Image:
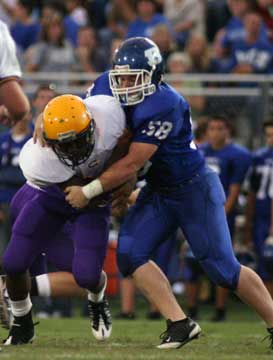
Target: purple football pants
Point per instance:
(73, 240)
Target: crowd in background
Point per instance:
(194, 36)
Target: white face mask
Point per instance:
(130, 86)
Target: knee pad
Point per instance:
(87, 273)
(86, 280)
(222, 273)
(13, 266)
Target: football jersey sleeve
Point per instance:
(100, 86)
(41, 166)
(9, 65)
(240, 167)
(159, 128)
(109, 119)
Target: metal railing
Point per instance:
(228, 90)
(67, 81)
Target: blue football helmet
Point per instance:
(137, 70)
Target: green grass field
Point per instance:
(239, 338)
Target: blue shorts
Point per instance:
(197, 207)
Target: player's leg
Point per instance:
(162, 258)
(222, 293)
(203, 222)
(260, 233)
(90, 237)
(191, 276)
(56, 284)
(30, 234)
(20, 199)
(145, 227)
(60, 253)
(127, 298)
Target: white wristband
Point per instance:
(92, 189)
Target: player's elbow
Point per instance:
(20, 112)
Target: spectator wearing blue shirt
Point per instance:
(252, 53)
(146, 20)
(259, 223)
(24, 31)
(11, 176)
(234, 29)
(231, 162)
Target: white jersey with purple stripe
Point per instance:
(41, 166)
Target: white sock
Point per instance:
(21, 307)
(97, 297)
(43, 285)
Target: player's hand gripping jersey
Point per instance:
(42, 167)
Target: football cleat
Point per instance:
(270, 337)
(101, 320)
(179, 333)
(21, 332)
(6, 316)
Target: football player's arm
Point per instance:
(14, 103)
(116, 175)
(124, 169)
(240, 166)
(233, 194)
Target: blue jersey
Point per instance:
(163, 119)
(25, 35)
(138, 27)
(261, 181)
(231, 163)
(259, 55)
(11, 176)
(235, 31)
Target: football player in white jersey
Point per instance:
(81, 136)
(14, 104)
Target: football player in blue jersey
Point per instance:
(259, 209)
(231, 162)
(180, 192)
